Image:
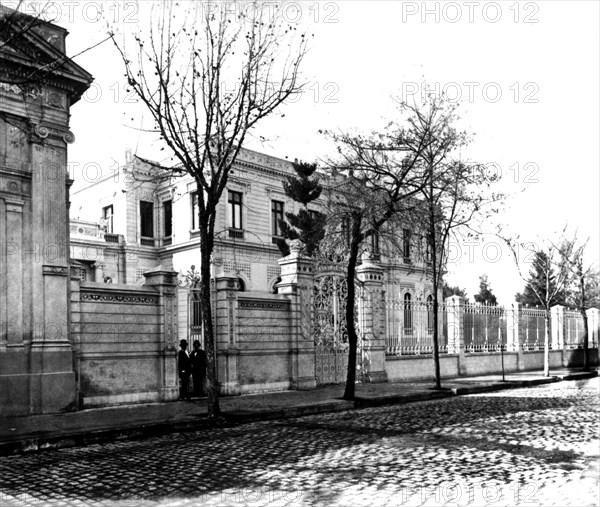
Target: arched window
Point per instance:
(408, 316)
(430, 314)
(241, 285)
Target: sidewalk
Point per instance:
(52, 431)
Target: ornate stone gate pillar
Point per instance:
(165, 281)
(225, 330)
(371, 319)
(297, 275)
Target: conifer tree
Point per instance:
(485, 295)
(307, 225)
(535, 287)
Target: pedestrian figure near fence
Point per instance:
(198, 360)
(185, 369)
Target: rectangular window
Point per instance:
(195, 209)
(428, 251)
(406, 244)
(107, 216)
(147, 219)
(375, 244)
(346, 230)
(234, 202)
(168, 218)
(276, 217)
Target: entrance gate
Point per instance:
(330, 333)
(195, 330)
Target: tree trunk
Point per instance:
(547, 343)
(436, 347)
(206, 244)
(586, 351)
(436, 303)
(352, 335)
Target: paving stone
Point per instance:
(528, 446)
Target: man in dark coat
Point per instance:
(198, 359)
(185, 369)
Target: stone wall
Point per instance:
(125, 341)
(253, 339)
(419, 367)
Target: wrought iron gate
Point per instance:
(330, 333)
(195, 329)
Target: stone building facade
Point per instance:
(37, 89)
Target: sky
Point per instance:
(526, 74)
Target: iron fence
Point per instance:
(410, 325)
(484, 328)
(574, 330)
(532, 328)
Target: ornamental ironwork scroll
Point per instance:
(329, 329)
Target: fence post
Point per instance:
(373, 340)
(165, 281)
(455, 306)
(297, 280)
(593, 315)
(513, 342)
(557, 328)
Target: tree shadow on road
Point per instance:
(316, 459)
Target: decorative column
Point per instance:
(456, 342)
(373, 340)
(165, 281)
(297, 279)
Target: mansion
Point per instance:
(128, 222)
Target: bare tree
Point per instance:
(376, 180)
(583, 292)
(553, 275)
(455, 197)
(208, 74)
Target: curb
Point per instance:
(230, 418)
(99, 437)
(242, 416)
(579, 375)
(398, 399)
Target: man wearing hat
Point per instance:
(185, 369)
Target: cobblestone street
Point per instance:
(534, 446)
